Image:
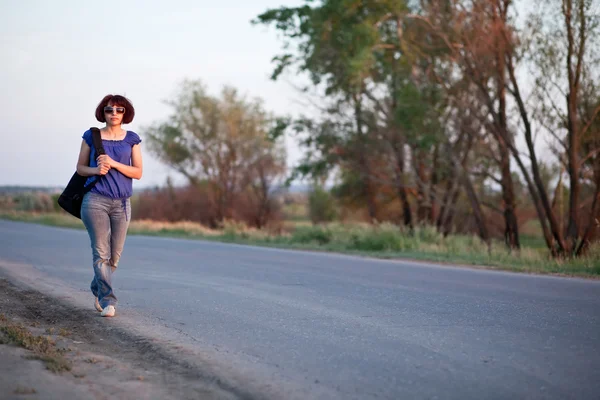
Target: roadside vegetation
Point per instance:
(380, 240)
(42, 347)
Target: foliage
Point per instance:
(422, 100)
(321, 205)
(29, 201)
(196, 203)
(228, 142)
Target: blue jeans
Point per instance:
(106, 221)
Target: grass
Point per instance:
(379, 240)
(24, 390)
(42, 347)
(52, 219)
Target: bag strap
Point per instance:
(97, 140)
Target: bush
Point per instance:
(321, 206)
(54, 198)
(6, 203)
(378, 237)
(35, 202)
(197, 204)
(380, 241)
(312, 234)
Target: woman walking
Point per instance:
(106, 208)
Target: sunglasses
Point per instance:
(110, 110)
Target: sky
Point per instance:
(59, 59)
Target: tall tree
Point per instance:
(332, 57)
(358, 52)
(473, 34)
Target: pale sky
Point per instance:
(60, 58)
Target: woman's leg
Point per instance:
(95, 216)
(119, 223)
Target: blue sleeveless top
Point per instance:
(114, 184)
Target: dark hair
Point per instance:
(115, 100)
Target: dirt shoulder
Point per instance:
(53, 350)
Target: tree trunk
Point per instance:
(444, 207)
(401, 185)
(423, 206)
(476, 207)
(594, 219)
(433, 186)
(406, 211)
(557, 246)
(446, 218)
(574, 74)
(574, 167)
(397, 141)
(450, 215)
(368, 191)
(511, 227)
(472, 195)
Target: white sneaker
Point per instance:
(97, 305)
(109, 311)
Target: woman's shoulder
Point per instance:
(132, 138)
(87, 136)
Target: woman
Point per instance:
(106, 208)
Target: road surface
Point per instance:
(345, 327)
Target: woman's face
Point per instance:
(114, 114)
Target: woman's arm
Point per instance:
(134, 170)
(83, 168)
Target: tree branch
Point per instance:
(556, 109)
(485, 174)
(492, 207)
(377, 102)
(582, 38)
(590, 155)
(589, 123)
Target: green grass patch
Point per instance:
(378, 240)
(530, 241)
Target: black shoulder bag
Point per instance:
(72, 197)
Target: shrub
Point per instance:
(35, 202)
(312, 234)
(197, 204)
(321, 206)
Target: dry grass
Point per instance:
(42, 347)
(186, 227)
(24, 390)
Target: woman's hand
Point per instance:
(105, 159)
(102, 169)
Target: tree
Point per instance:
(471, 32)
(357, 52)
(492, 50)
(561, 49)
(335, 43)
(226, 141)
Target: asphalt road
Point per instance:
(348, 327)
